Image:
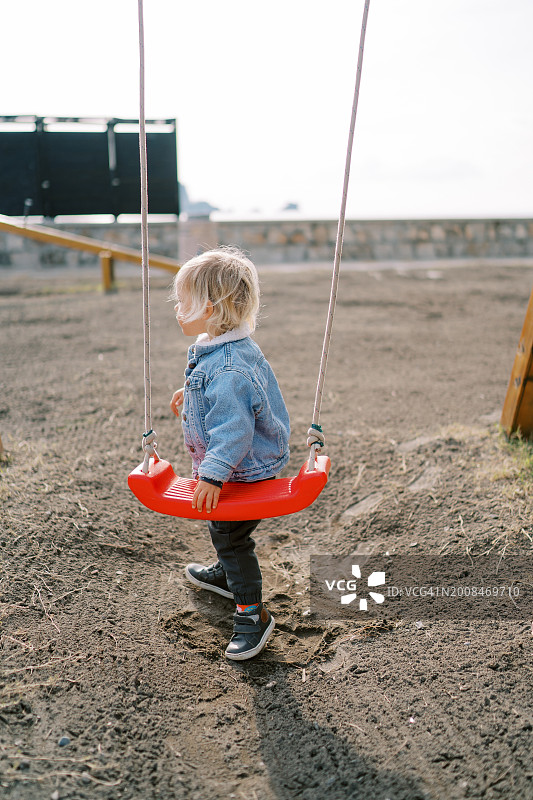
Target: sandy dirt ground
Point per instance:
(113, 680)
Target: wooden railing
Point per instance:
(108, 252)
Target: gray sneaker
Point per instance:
(251, 631)
(212, 578)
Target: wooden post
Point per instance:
(1, 446)
(518, 406)
(108, 270)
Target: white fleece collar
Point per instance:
(230, 336)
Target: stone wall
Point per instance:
(381, 240)
(291, 241)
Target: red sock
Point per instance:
(247, 607)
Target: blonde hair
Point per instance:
(227, 278)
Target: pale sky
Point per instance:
(262, 93)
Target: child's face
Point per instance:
(196, 326)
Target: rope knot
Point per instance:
(315, 436)
(149, 446)
(148, 438)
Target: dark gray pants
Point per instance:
(236, 553)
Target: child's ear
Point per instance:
(208, 310)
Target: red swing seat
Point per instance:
(163, 491)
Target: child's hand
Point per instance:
(177, 401)
(209, 493)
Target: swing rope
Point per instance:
(149, 436)
(315, 436)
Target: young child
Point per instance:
(235, 425)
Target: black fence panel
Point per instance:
(162, 173)
(51, 173)
(19, 173)
(75, 173)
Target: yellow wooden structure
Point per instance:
(108, 252)
(517, 413)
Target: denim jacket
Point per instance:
(235, 423)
